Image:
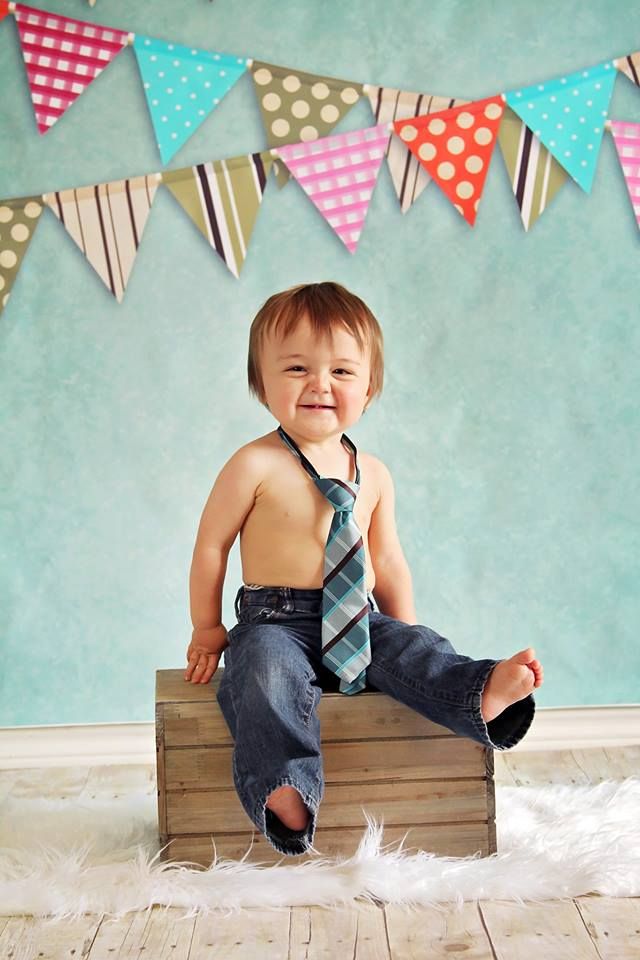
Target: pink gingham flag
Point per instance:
(339, 174)
(627, 140)
(62, 56)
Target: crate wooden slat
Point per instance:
(378, 755)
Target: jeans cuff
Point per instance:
(509, 727)
(281, 837)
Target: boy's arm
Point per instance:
(229, 503)
(393, 591)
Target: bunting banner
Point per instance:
(62, 57)
(223, 198)
(626, 137)
(388, 104)
(455, 147)
(630, 66)
(4, 9)
(535, 175)
(18, 221)
(339, 175)
(568, 115)
(107, 221)
(297, 106)
(182, 86)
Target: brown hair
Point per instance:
(327, 305)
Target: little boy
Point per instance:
(327, 596)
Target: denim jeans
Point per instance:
(274, 678)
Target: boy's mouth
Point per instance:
(317, 406)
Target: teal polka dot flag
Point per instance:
(568, 115)
(182, 86)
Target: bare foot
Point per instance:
(288, 807)
(509, 681)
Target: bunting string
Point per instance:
(549, 133)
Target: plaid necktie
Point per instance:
(345, 608)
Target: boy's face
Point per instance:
(315, 387)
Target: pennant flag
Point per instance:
(339, 174)
(535, 176)
(630, 66)
(626, 137)
(18, 221)
(388, 104)
(223, 198)
(455, 146)
(568, 115)
(182, 86)
(107, 222)
(4, 9)
(298, 106)
(62, 56)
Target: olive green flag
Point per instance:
(222, 198)
(18, 221)
(535, 175)
(297, 107)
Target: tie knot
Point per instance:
(340, 494)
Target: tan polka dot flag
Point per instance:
(107, 221)
(339, 175)
(223, 198)
(630, 66)
(297, 106)
(408, 175)
(455, 147)
(535, 175)
(62, 57)
(18, 221)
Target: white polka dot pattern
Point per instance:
(568, 115)
(182, 85)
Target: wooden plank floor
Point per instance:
(587, 928)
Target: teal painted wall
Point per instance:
(509, 417)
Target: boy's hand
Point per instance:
(204, 652)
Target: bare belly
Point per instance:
(289, 562)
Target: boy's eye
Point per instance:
(342, 371)
(294, 369)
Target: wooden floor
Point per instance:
(587, 928)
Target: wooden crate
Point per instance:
(418, 777)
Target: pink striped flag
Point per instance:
(627, 140)
(339, 174)
(62, 56)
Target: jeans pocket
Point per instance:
(255, 613)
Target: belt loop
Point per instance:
(287, 605)
(236, 605)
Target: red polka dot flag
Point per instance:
(455, 146)
(4, 9)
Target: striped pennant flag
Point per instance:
(535, 175)
(455, 146)
(62, 57)
(18, 221)
(626, 137)
(223, 198)
(630, 66)
(339, 175)
(299, 106)
(107, 222)
(4, 9)
(409, 177)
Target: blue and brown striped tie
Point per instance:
(345, 608)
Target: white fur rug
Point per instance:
(64, 858)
